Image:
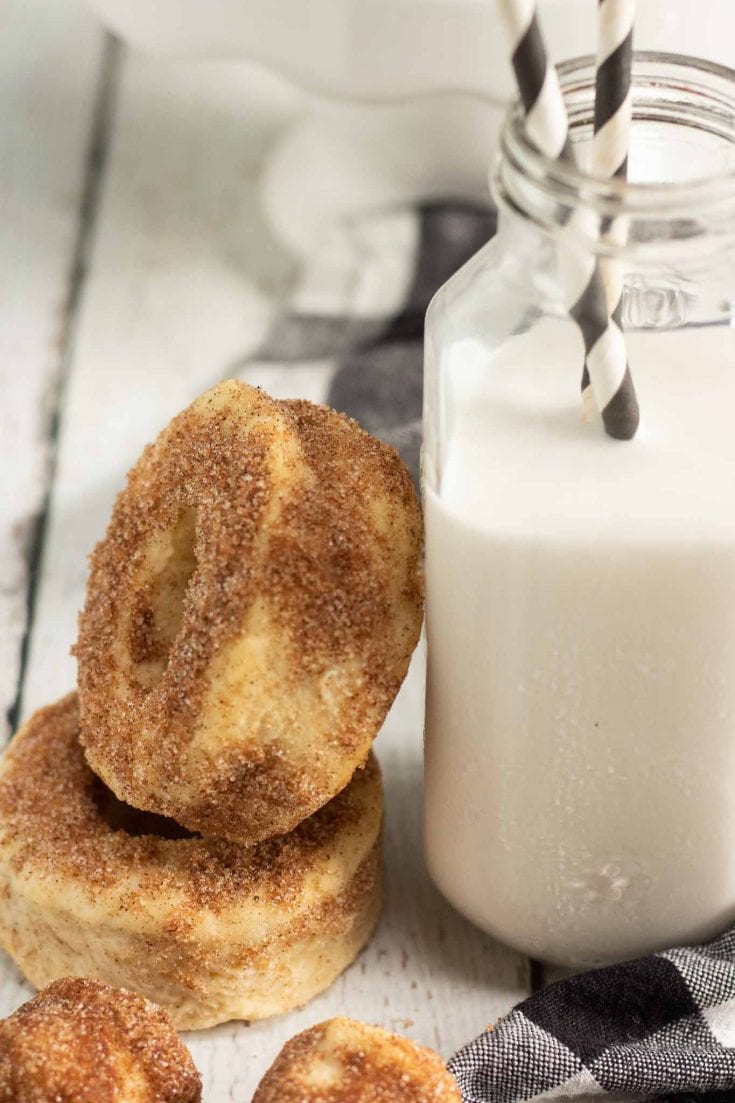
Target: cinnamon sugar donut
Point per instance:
(343, 1061)
(209, 929)
(250, 614)
(79, 1041)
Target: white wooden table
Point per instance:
(135, 269)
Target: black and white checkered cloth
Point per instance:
(352, 333)
(661, 1027)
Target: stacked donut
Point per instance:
(202, 822)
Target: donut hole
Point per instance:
(171, 563)
(120, 816)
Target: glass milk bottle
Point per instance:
(580, 731)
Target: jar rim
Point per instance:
(706, 87)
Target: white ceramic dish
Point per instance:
(395, 128)
(370, 49)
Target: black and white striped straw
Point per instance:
(613, 109)
(613, 97)
(606, 361)
(537, 79)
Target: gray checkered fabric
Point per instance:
(356, 317)
(660, 1027)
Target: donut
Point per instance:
(79, 1041)
(209, 929)
(343, 1061)
(250, 614)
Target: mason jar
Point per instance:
(580, 725)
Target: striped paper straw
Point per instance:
(537, 79)
(613, 110)
(547, 126)
(613, 97)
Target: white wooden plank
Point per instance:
(183, 280)
(181, 284)
(50, 58)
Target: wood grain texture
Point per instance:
(51, 64)
(181, 282)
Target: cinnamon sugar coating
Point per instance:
(344, 1061)
(210, 929)
(250, 614)
(79, 1041)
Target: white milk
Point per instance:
(580, 741)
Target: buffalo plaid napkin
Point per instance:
(352, 332)
(662, 1026)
